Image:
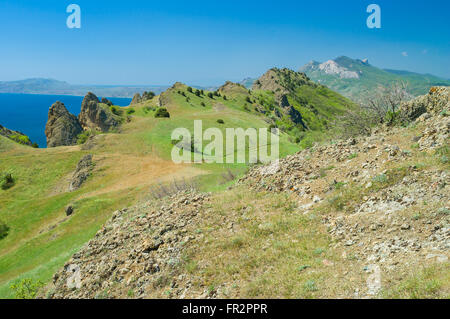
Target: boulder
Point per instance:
(62, 128)
(95, 116)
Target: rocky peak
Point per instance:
(94, 116)
(230, 88)
(62, 128)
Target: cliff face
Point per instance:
(62, 127)
(96, 116)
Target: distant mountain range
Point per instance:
(55, 87)
(353, 77)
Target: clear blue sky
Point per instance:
(207, 42)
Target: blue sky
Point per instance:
(208, 42)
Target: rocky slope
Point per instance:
(62, 127)
(383, 199)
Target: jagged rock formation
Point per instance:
(62, 127)
(146, 96)
(106, 101)
(96, 116)
(82, 172)
(16, 136)
(137, 98)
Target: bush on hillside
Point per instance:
(130, 111)
(83, 137)
(189, 89)
(148, 95)
(381, 108)
(116, 110)
(162, 112)
(21, 139)
(203, 104)
(210, 95)
(4, 229)
(220, 121)
(7, 181)
(26, 288)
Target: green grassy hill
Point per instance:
(130, 163)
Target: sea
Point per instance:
(28, 113)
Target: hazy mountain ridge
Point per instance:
(55, 87)
(354, 77)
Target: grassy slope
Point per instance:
(42, 239)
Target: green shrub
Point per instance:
(220, 121)
(380, 178)
(4, 229)
(210, 95)
(148, 109)
(35, 145)
(7, 181)
(148, 95)
(189, 89)
(203, 104)
(83, 137)
(21, 139)
(162, 112)
(26, 288)
(130, 111)
(116, 110)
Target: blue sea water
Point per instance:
(28, 113)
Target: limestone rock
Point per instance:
(62, 127)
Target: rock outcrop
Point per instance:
(433, 103)
(15, 136)
(82, 172)
(62, 127)
(95, 116)
(136, 247)
(231, 88)
(146, 96)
